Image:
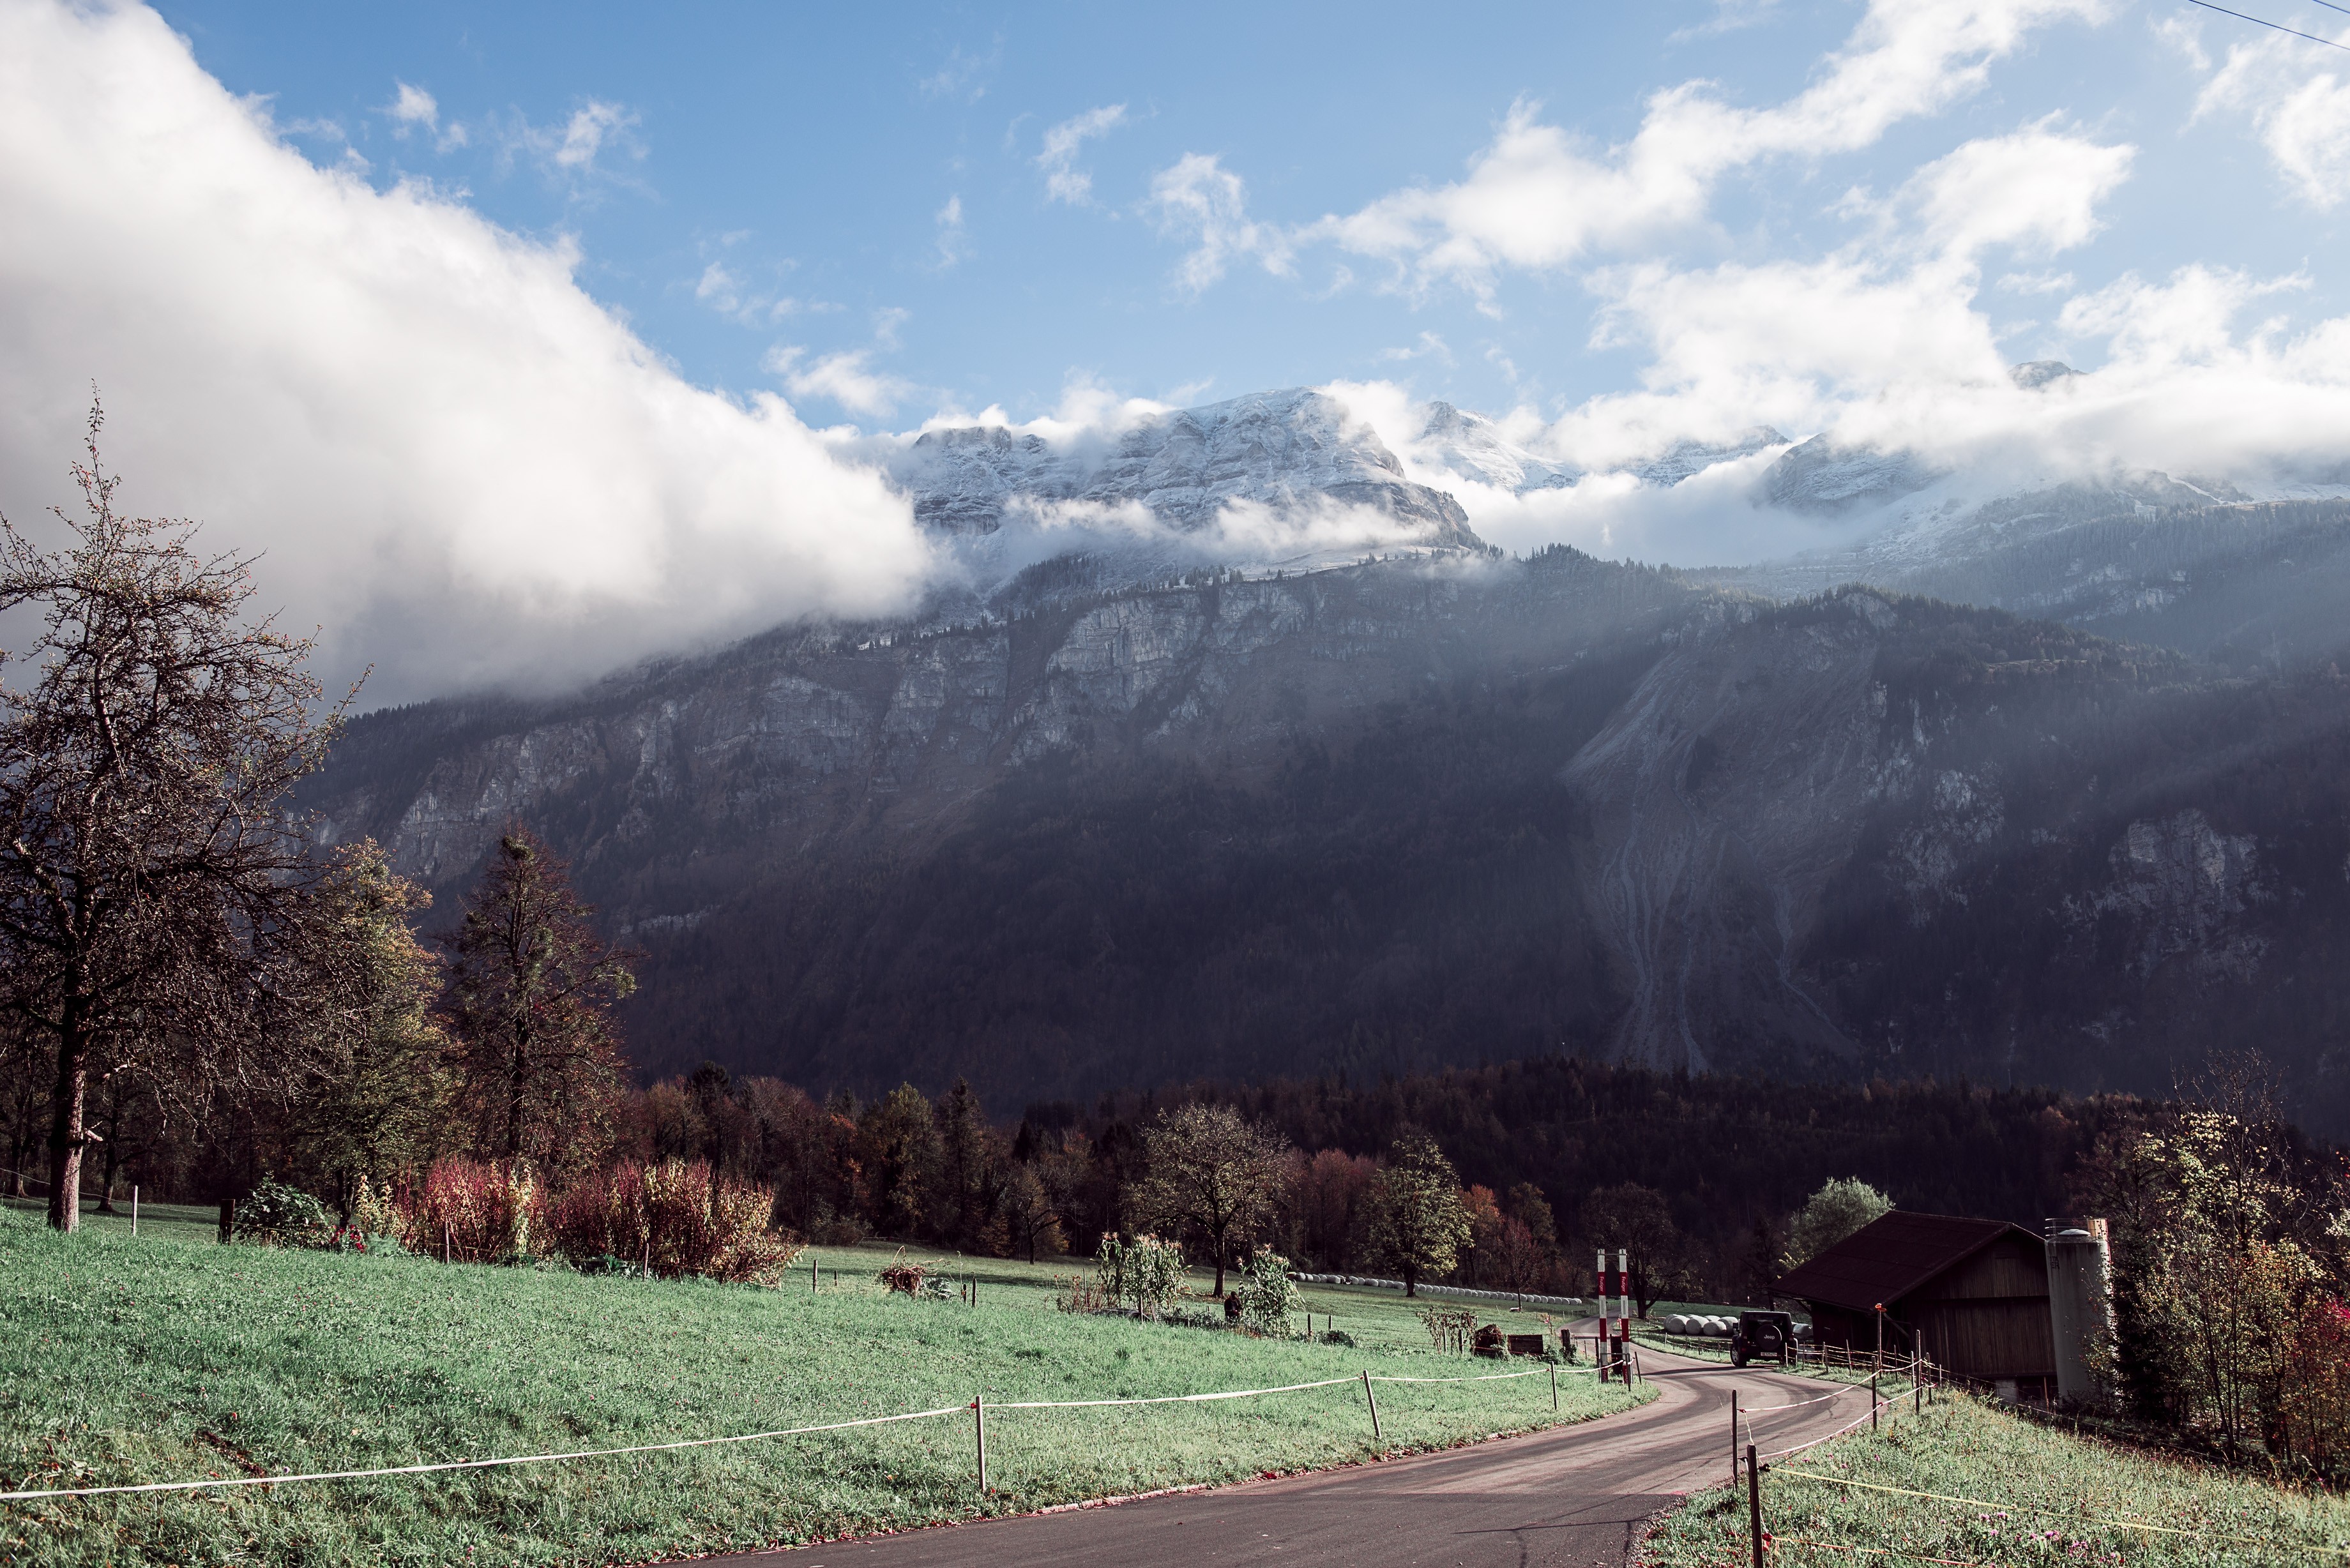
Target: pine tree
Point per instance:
(383, 1080)
(532, 990)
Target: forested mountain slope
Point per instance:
(1417, 812)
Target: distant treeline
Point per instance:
(1729, 1158)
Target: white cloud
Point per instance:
(1199, 199)
(455, 460)
(412, 108)
(1539, 199)
(1064, 181)
(962, 77)
(2299, 105)
(1729, 16)
(1429, 346)
(847, 376)
(2036, 190)
(953, 242)
(574, 153)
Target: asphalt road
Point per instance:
(1579, 1495)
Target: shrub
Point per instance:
(1266, 1293)
(276, 1215)
(1075, 1292)
(1146, 1272)
(676, 1218)
(485, 1212)
(372, 1213)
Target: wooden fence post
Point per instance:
(1754, 1503)
(1372, 1401)
(444, 1242)
(1553, 1388)
(134, 1208)
(978, 1427)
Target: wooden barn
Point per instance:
(1972, 1294)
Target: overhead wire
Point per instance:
(2258, 22)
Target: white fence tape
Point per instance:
(481, 1464)
(745, 1438)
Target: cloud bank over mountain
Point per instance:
(474, 474)
(455, 460)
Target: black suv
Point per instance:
(1763, 1335)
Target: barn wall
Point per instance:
(2008, 1268)
(1989, 1338)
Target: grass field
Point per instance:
(169, 1357)
(2039, 1496)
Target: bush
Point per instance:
(1266, 1293)
(677, 1217)
(486, 1213)
(276, 1215)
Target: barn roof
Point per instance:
(1891, 1256)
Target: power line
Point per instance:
(2280, 26)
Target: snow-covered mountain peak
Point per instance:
(1291, 449)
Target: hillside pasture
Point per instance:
(166, 1359)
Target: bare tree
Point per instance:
(150, 884)
(533, 986)
(1213, 1173)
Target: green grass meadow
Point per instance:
(2052, 1498)
(169, 1357)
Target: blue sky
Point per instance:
(808, 153)
(525, 341)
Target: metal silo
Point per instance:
(2080, 1306)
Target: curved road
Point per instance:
(1580, 1495)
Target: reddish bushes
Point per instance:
(677, 1216)
(481, 1211)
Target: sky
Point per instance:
(525, 339)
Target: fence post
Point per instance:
(134, 1208)
(813, 1285)
(444, 1241)
(1372, 1400)
(978, 1427)
(1733, 1436)
(1876, 1367)
(1553, 1388)
(1754, 1503)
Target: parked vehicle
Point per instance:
(1763, 1336)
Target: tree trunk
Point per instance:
(517, 1080)
(64, 1128)
(1220, 1266)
